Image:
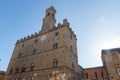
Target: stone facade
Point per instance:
(110, 69)
(2, 74)
(50, 54)
(111, 61)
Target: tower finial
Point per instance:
(50, 11)
(49, 20)
(51, 8)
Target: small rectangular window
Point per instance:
(56, 33)
(55, 46)
(55, 64)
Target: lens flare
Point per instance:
(111, 43)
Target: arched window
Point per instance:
(48, 14)
(55, 64)
(20, 55)
(96, 75)
(102, 74)
(86, 75)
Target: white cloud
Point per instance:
(101, 19)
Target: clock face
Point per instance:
(43, 38)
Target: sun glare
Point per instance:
(111, 43)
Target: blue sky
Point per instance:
(95, 22)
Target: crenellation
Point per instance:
(24, 38)
(28, 36)
(59, 25)
(17, 41)
(21, 39)
(36, 33)
(40, 32)
(65, 23)
(31, 35)
(72, 32)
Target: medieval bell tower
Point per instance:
(49, 19)
(50, 54)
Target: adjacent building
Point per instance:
(111, 62)
(110, 69)
(95, 73)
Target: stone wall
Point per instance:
(111, 59)
(95, 73)
(2, 74)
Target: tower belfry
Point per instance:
(49, 19)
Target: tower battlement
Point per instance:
(59, 25)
